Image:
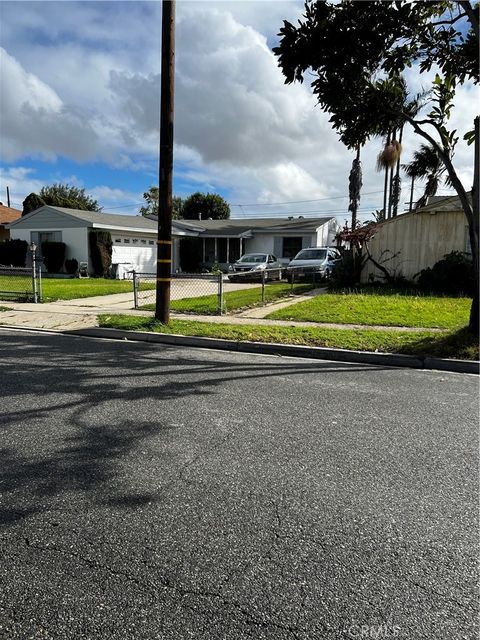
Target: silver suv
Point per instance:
(315, 262)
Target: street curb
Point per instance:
(297, 351)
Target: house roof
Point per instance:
(245, 227)
(8, 214)
(236, 227)
(443, 203)
(98, 219)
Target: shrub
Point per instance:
(453, 274)
(71, 266)
(53, 255)
(346, 273)
(100, 251)
(13, 253)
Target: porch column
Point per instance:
(228, 250)
(241, 247)
(216, 254)
(203, 249)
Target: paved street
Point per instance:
(153, 492)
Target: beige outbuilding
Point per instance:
(414, 241)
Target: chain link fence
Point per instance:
(216, 294)
(21, 284)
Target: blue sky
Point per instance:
(79, 104)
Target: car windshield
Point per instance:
(253, 257)
(312, 254)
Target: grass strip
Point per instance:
(380, 309)
(453, 344)
(70, 289)
(233, 300)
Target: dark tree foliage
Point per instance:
(204, 206)
(68, 196)
(13, 253)
(357, 52)
(100, 251)
(54, 256)
(32, 202)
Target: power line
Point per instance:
(268, 204)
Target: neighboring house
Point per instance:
(134, 237)
(224, 241)
(7, 215)
(414, 241)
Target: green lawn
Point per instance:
(70, 288)
(384, 309)
(234, 300)
(453, 344)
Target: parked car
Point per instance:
(315, 262)
(253, 265)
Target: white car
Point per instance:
(253, 265)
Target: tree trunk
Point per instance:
(385, 185)
(397, 178)
(473, 230)
(471, 211)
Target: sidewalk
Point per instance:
(65, 315)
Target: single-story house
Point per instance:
(7, 215)
(205, 241)
(134, 237)
(224, 241)
(416, 240)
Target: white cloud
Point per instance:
(87, 87)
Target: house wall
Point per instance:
(420, 239)
(74, 238)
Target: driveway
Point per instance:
(153, 492)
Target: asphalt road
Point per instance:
(153, 492)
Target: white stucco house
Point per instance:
(134, 237)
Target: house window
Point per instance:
(126, 240)
(143, 241)
(291, 246)
(118, 239)
(39, 237)
(135, 240)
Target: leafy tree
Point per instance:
(150, 208)
(206, 205)
(68, 196)
(31, 203)
(358, 50)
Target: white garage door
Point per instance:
(142, 258)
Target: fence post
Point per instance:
(292, 281)
(39, 278)
(33, 249)
(220, 294)
(135, 290)
(263, 287)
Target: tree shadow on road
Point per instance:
(67, 425)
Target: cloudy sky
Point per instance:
(79, 99)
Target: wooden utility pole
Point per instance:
(8, 197)
(164, 242)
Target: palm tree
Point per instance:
(426, 165)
